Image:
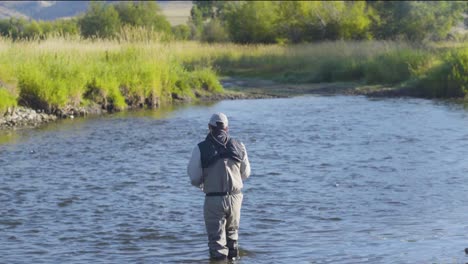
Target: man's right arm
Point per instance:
(194, 168)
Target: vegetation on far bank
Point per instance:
(126, 54)
(422, 70)
(313, 21)
(269, 22)
(55, 73)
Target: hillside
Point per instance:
(177, 12)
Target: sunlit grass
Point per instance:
(115, 74)
(6, 99)
(138, 69)
(431, 70)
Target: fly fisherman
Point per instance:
(218, 166)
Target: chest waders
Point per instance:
(222, 184)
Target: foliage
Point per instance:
(210, 9)
(449, 78)
(116, 74)
(206, 80)
(260, 21)
(22, 29)
(143, 14)
(50, 81)
(56, 73)
(397, 66)
(214, 31)
(416, 20)
(425, 69)
(100, 21)
(181, 32)
(246, 25)
(307, 21)
(6, 100)
(195, 23)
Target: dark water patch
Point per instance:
(67, 201)
(10, 223)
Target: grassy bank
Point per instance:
(421, 70)
(56, 73)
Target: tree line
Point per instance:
(309, 21)
(260, 21)
(99, 21)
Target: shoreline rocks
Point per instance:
(24, 117)
(71, 111)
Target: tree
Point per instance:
(16, 28)
(355, 21)
(416, 20)
(294, 20)
(100, 21)
(247, 25)
(214, 31)
(181, 32)
(143, 14)
(210, 9)
(4, 27)
(32, 30)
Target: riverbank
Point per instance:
(235, 88)
(278, 89)
(20, 117)
(416, 69)
(77, 77)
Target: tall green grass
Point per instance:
(449, 78)
(428, 70)
(117, 74)
(6, 100)
(57, 73)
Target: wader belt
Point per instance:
(222, 193)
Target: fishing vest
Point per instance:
(211, 151)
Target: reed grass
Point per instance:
(136, 70)
(427, 70)
(60, 72)
(449, 78)
(6, 99)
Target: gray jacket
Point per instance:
(225, 175)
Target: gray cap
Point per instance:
(218, 117)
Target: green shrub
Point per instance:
(338, 69)
(206, 80)
(6, 100)
(397, 66)
(449, 78)
(51, 81)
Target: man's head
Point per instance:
(218, 121)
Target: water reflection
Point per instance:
(8, 137)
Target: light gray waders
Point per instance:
(222, 216)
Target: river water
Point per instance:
(336, 179)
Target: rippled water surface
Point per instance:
(334, 180)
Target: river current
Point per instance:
(335, 179)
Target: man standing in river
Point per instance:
(218, 166)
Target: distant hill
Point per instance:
(42, 10)
(177, 12)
